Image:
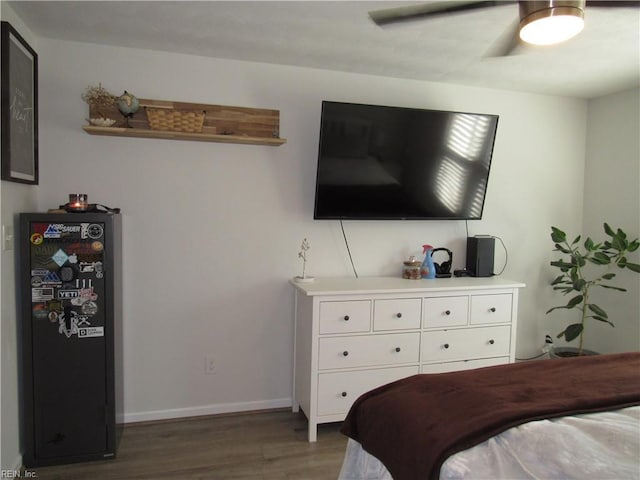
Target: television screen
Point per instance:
(379, 162)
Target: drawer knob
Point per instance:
(398, 315)
(492, 309)
(344, 394)
(346, 318)
(492, 341)
(446, 345)
(447, 312)
(397, 349)
(345, 354)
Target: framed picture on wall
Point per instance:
(19, 108)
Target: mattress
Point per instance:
(596, 446)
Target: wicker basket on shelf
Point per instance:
(169, 119)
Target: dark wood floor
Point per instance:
(264, 445)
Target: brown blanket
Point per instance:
(414, 424)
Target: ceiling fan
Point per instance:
(541, 22)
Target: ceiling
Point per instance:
(338, 35)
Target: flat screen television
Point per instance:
(380, 162)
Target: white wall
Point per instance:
(212, 231)
(14, 198)
(222, 288)
(612, 195)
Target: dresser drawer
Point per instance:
(338, 390)
(345, 317)
(491, 309)
(396, 314)
(370, 350)
(445, 312)
(463, 365)
(466, 343)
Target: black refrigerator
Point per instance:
(70, 285)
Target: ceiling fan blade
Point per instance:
(415, 12)
(506, 43)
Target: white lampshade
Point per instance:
(546, 23)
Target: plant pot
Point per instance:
(566, 352)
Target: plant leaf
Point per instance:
(608, 276)
(573, 331)
(579, 284)
(581, 260)
(618, 243)
(562, 249)
(557, 235)
(573, 275)
(600, 319)
(577, 300)
(597, 310)
(588, 244)
(608, 230)
(600, 258)
(611, 287)
(556, 308)
(634, 267)
(561, 264)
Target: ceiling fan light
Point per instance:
(551, 25)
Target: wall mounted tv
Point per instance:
(380, 162)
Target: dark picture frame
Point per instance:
(18, 108)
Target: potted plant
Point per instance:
(583, 267)
(304, 248)
(100, 102)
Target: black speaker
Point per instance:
(480, 254)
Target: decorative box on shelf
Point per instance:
(219, 123)
(170, 119)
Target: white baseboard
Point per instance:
(206, 410)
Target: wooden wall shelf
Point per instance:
(223, 124)
(202, 137)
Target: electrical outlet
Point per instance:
(209, 365)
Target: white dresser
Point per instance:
(352, 335)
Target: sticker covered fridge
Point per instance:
(70, 287)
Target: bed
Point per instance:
(569, 418)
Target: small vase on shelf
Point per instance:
(304, 248)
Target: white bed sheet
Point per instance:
(596, 446)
